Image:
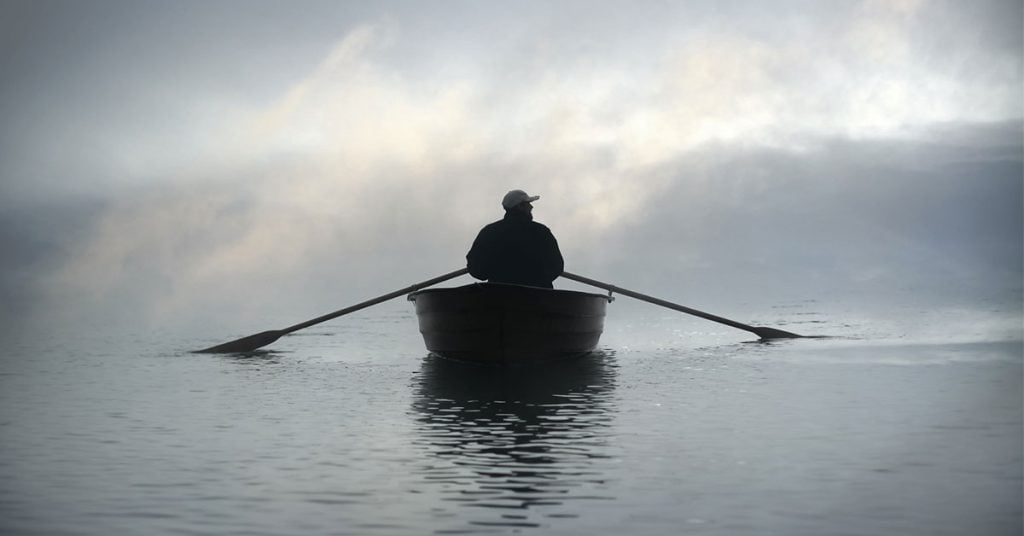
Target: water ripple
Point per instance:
(514, 439)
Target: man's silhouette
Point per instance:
(516, 249)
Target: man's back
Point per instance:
(516, 250)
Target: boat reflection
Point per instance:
(518, 443)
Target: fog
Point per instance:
(232, 164)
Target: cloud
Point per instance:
(934, 214)
(720, 156)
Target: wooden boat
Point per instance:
(499, 324)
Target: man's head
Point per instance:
(518, 200)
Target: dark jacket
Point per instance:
(515, 250)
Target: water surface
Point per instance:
(901, 426)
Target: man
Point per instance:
(516, 249)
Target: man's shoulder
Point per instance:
(512, 225)
(540, 226)
(493, 225)
(532, 225)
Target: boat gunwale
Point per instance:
(555, 292)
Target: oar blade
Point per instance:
(245, 344)
(772, 333)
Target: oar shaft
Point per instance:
(657, 301)
(375, 301)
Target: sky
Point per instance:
(223, 163)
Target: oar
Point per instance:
(764, 333)
(252, 342)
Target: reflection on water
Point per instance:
(520, 443)
(254, 357)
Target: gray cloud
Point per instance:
(935, 214)
(179, 163)
(932, 215)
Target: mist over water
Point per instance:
(721, 156)
(715, 239)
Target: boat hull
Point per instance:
(508, 324)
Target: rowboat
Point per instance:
(499, 324)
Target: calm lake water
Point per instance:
(905, 424)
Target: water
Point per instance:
(911, 424)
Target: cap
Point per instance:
(516, 197)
